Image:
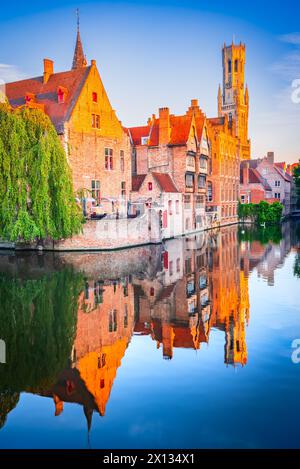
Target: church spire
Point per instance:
(79, 59)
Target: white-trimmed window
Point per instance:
(109, 164)
(144, 140)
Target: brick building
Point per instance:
(178, 146)
(157, 191)
(223, 182)
(253, 187)
(275, 183)
(97, 146)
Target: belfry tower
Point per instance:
(233, 99)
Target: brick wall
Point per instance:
(85, 145)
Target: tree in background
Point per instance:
(296, 175)
(262, 213)
(36, 191)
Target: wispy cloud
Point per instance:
(10, 73)
(291, 38)
(288, 66)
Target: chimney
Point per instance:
(48, 69)
(194, 103)
(164, 126)
(246, 173)
(270, 157)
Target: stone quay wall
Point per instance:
(114, 233)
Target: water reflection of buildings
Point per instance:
(266, 257)
(176, 293)
(104, 328)
(200, 287)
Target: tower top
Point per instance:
(233, 45)
(79, 59)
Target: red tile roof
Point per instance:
(287, 177)
(165, 182)
(200, 120)
(138, 132)
(180, 127)
(183, 337)
(281, 165)
(137, 181)
(154, 135)
(46, 93)
(254, 177)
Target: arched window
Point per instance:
(229, 66)
(236, 65)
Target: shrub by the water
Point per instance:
(261, 213)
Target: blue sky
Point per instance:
(152, 54)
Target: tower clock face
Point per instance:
(228, 84)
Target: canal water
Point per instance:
(189, 344)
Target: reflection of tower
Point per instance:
(235, 345)
(230, 308)
(234, 100)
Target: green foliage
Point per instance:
(262, 213)
(36, 191)
(296, 175)
(38, 323)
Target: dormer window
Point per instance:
(61, 94)
(29, 98)
(144, 140)
(94, 97)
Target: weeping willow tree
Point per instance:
(36, 192)
(38, 320)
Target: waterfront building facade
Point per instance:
(177, 146)
(97, 146)
(179, 173)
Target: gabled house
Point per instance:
(275, 183)
(97, 146)
(253, 187)
(157, 191)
